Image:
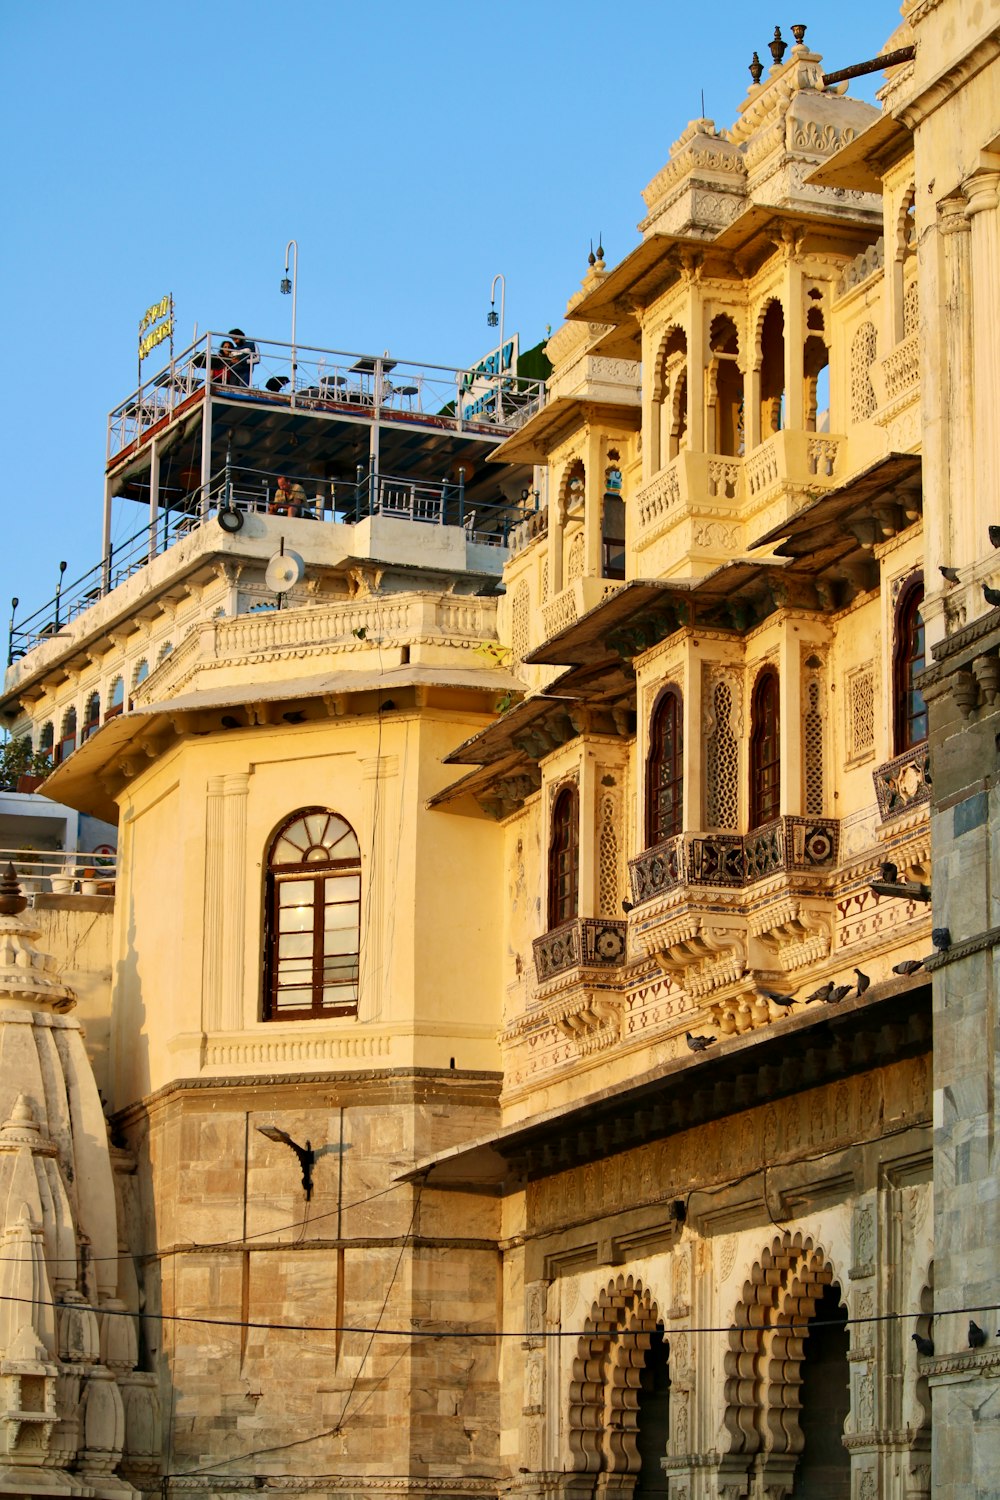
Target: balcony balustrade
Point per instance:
(903, 783)
(788, 844)
(900, 372)
(582, 943)
(576, 599)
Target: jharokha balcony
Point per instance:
(733, 859)
(577, 966)
(711, 907)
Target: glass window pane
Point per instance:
(293, 999)
(342, 888)
(316, 826)
(296, 919)
(295, 945)
(295, 893)
(343, 941)
(286, 852)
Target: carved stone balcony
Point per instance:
(897, 378)
(583, 943)
(576, 599)
(577, 966)
(903, 783)
(714, 494)
(529, 530)
(735, 860)
(710, 907)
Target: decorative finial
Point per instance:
(756, 69)
(11, 899)
(591, 258)
(777, 46)
(600, 250)
(798, 32)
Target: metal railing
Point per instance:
(246, 491)
(62, 871)
(326, 380)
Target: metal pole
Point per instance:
(10, 633)
(292, 249)
(154, 494)
(62, 574)
(503, 295)
(106, 538)
(206, 433)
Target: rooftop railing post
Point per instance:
(359, 481)
(10, 633)
(62, 574)
(458, 399)
(154, 494)
(206, 433)
(461, 494)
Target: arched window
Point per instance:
(909, 712)
(772, 370)
(726, 385)
(564, 857)
(91, 717)
(765, 750)
(46, 739)
(67, 740)
(117, 700)
(312, 921)
(165, 651)
(613, 536)
(141, 673)
(665, 770)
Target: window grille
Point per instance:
(519, 622)
(574, 566)
(722, 763)
(864, 349)
(607, 849)
(861, 713)
(911, 309)
(813, 748)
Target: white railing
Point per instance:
(323, 380)
(901, 368)
(657, 498)
(62, 871)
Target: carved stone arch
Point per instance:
(904, 223)
(606, 1379)
(673, 341)
(763, 1364)
(758, 327)
(574, 470)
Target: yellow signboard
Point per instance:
(158, 331)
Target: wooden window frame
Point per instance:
(765, 749)
(666, 753)
(909, 711)
(564, 857)
(315, 873)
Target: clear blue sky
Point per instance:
(413, 150)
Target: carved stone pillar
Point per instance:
(983, 195)
(378, 889)
(211, 962)
(235, 791)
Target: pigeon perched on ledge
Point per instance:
(698, 1043)
(924, 1346)
(977, 1335)
(908, 966)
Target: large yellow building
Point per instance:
(552, 1018)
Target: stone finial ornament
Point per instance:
(756, 68)
(799, 32)
(777, 46)
(12, 900)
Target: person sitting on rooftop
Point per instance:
(288, 499)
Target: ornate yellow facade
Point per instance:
(613, 949)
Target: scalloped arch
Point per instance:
(605, 1384)
(763, 1364)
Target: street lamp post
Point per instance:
(492, 321)
(291, 286)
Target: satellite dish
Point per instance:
(284, 571)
